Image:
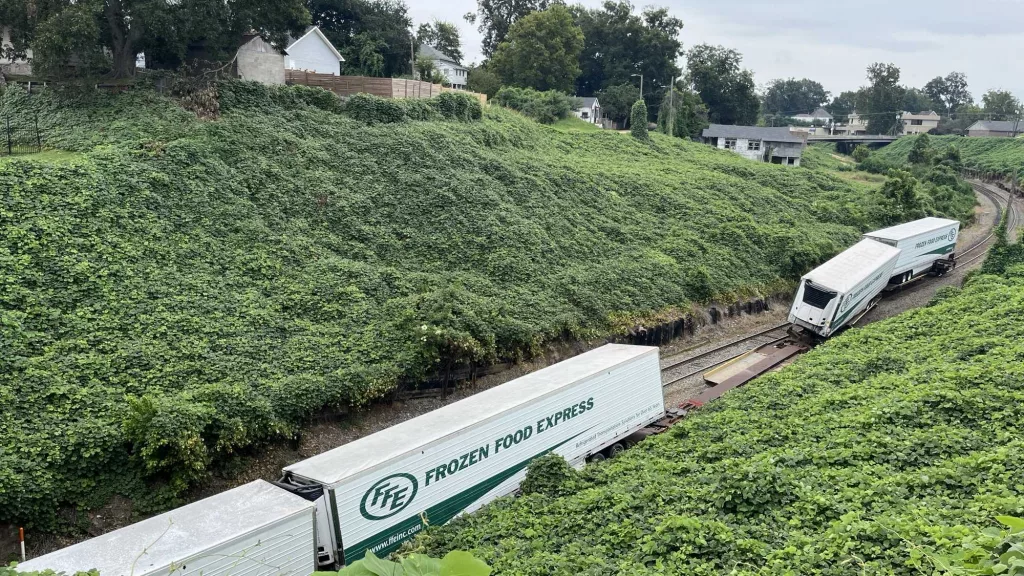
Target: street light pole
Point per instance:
(641, 84)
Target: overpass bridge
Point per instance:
(854, 139)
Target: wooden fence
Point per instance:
(383, 87)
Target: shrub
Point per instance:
(544, 107)
(549, 475)
(638, 120)
(861, 153)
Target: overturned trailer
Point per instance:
(839, 291)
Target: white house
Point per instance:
(313, 52)
(819, 115)
(457, 74)
(857, 125)
(589, 110)
(920, 123)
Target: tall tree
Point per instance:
(441, 35)
(682, 114)
(843, 105)
(726, 89)
(1001, 103)
(791, 97)
(484, 81)
(496, 17)
(882, 99)
(619, 43)
(617, 101)
(542, 51)
(372, 35)
(915, 100)
(949, 94)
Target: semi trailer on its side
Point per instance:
(256, 529)
(837, 292)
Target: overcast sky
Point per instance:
(834, 42)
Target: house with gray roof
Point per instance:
(775, 145)
(457, 74)
(996, 128)
(589, 110)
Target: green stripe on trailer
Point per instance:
(944, 250)
(839, 321)
(387, 541)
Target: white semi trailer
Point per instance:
(926, 245)
(378, 491)
(835, 293)
(256, 529)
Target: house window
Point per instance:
(754, 145)
(586, 115)
(730, 143)
(792, 161)
(917, 122)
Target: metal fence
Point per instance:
(20, 134)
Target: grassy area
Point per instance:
(999, 156)
(574, 124)
(187, 289)
(47, 156)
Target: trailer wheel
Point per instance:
(616, 449)
(596, 457)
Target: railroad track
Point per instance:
(698, 363)
(1001, 204)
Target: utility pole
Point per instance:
(671, 106)
(1013, 181)
(641, 84)
(412, 52)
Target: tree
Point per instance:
(915, 100)
(444, 36)
(1001, 103)
(496, 18)
(861, 153)
(950, 93)
(900, 189)
(542, 51)
(682, 114)
(638, 120)
(921, 152)
(120, 29)
(882, 99)
(842, 106)
(619, 43)
(484, 81)
(617, 102)
(425, 67)
(791, 97)
(372, 35)
(728, 91)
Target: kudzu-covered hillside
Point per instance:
(176, 290)
(1000, 156)
(892, 449)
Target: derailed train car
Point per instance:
(837, 293)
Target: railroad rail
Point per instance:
(674, 365)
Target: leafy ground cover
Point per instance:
(889, 450)
(178, 290)
(995, 155)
